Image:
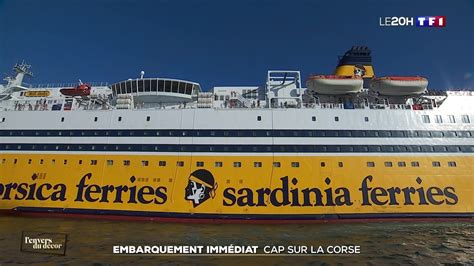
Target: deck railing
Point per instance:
(33, 106)
(63, 85)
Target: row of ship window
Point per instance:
(239, 164)
(241, 148)
(450, 119)
(152, 85)
(240, 133)
(425, 118)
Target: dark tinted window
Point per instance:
(140, 85)
(333, 148)
(174, 85)
(182, 87)
(397, 134)
(189, 88)
(319, 133)
(427, 148)
(372, 133)
(439, 148)
(344, 133)
(154, 85)
(424, 134)
(358, 133)
(450, 134)
(347, 149)
(147, 85)
(453, 149)
(374, 148)
(464, 133)
(387, 149)
(361, 148)
(161, 85)
(167, 86)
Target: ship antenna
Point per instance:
(142, 73)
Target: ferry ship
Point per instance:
(343, 146)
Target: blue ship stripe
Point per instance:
(239, 148)
(238, 133)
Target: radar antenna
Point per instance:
(23, 68)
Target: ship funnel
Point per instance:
(356, 62)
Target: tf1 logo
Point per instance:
(426, 21)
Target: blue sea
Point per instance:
(92, 242)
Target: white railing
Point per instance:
(460, 93)
(63, 85)
(98, 103)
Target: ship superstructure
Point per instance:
(348, 145)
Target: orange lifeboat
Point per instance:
(399, 86)
(80, 90)
(334, 85)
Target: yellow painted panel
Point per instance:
(348, 70)
(300, 185)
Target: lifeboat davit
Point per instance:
(80, 90)
(334, 85)
(399, 86)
